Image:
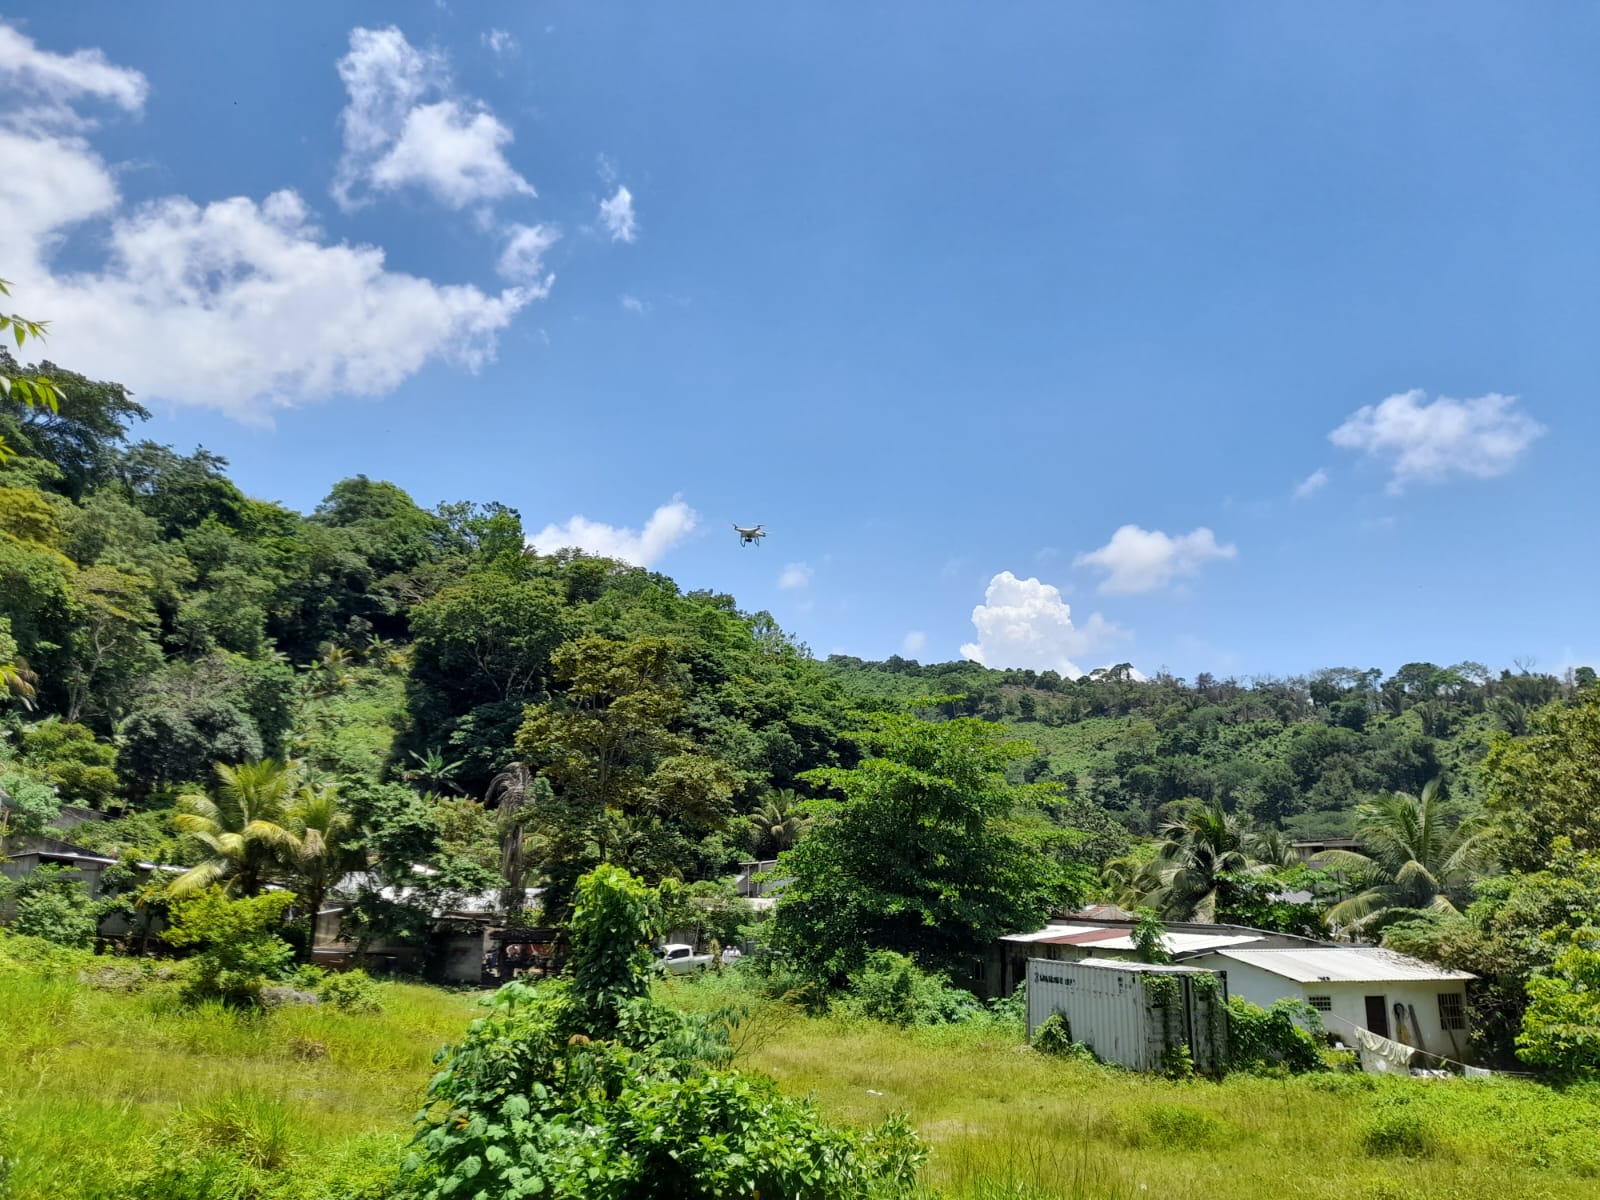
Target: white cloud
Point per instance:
(1431, 441)
(796, 575)
(1313, 482)
(500, 43)
(1025, 623)
(633, 304)
(616, 214)
(451, 147)
(237, 304)
(522, 260)
(48, 83)
(667, 527)
(914, 643)
(1142, 560)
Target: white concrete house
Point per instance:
(1354, 987)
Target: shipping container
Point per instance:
(1132, 1013)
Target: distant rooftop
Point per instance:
(1343, 964)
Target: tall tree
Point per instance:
(1547, 785)
(1194, 854)
(245, 826)
(919, 857)
(1419, 853)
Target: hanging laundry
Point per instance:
(1380, 1056)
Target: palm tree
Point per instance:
(779, 822)
(246, 827)
(1272, 847)
(514, 791)
(319, 854)
(433, 771)
(1417, 854)
(1196, 850)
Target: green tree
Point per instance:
(1547, 785)
(920, 857)
(609, 750)
(1419, 854)
(320, 852)
(1195, 852)
(245, 826)
(1561, 1028)
(778, 823)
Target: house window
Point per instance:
(1452, 1014)
(1321, 1003)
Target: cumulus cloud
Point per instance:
(633, 304)
(1429, 442)
(404, 126)
(616, 215)
(1313, 482)
(194, 302)
(665, 529)
(1143, 560)
(1025, 623)
(522, 260)
(500, 43)
(796, 575)
(913, 643)
(49, 83)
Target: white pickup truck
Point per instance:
(677, 958)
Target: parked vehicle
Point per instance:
(677, 958)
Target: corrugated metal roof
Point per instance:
(1103, 938)
(1344, 964)
(1122, 964)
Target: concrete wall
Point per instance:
(1349, 1009)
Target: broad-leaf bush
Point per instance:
(589, 1089)
(236, 943)
(1275, 1038)
(890, 987)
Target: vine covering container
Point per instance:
(1139, 1015)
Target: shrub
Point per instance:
(238, 948)
(589, 1089)
(54, 905)
(1396, 1131)
(1561, 1026)
(893, 989)
(351, 991)
(1273, 1038)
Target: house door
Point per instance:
(1378, 1016)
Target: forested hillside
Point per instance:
(1296, 753)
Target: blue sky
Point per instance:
(999, 317)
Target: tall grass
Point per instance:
(128, 1093)
(1006, 1121)
(113, 1091)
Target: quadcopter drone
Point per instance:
(751, 535)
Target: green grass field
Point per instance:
(115, 1093)
(110, 1093)
(1004, 1120)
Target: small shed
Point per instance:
(1133, 1013)
(1355, 987)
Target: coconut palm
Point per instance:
(245, 826)
(1196, 850)
(779, 822)
(1273, 847)
(1418, 853)
(319, 853)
